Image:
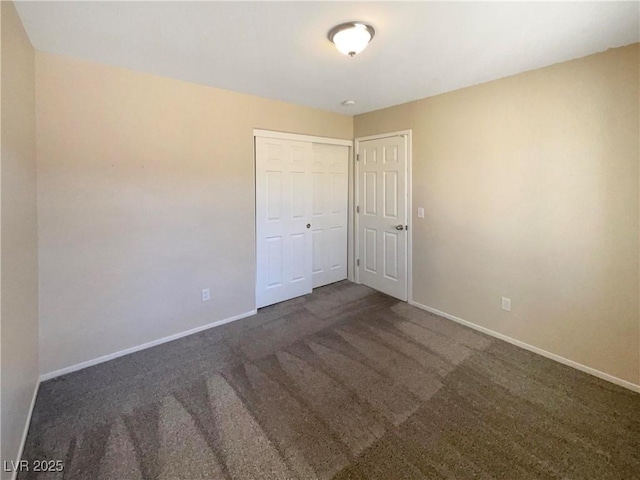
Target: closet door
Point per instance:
(283, 220)
(329, 172)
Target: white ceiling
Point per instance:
(280, 49)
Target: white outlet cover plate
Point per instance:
(506, 304)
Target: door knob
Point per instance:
(308, 225)
(399, 227)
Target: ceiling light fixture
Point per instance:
(351, 37)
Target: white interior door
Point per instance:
(382, 217)
(330, 187)
(283, 215)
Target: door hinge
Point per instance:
(406, 228)
(358, 262)
(358, 209)
(357, 157)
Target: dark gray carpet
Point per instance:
(346, 383)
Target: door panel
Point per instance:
(390, 154)
(283, 208)
(299, 203)
(338, 188)
(390, 194)
(370, 250)
(370, 193)
(274, 261)
(330, 185)
(318, 251)
(336, 248)
(298, 257)
(274, 195)
(318, 189)
(382, 197)
(390, 249)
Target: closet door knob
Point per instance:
(308, 225)
(399, 227)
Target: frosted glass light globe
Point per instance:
(351, 38)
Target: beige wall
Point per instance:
(530, 187)
(146, 196)
(19, 295)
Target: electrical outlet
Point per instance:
(506, 304)
(206, 294)
(420, 212)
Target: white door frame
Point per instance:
(408, 134)
(351, 198)
(301, 138)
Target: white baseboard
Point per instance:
(137, 348)
(27, 424)
(531, 348)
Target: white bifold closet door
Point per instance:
(330, 186)
(301, 217)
